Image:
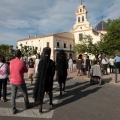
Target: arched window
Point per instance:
(64, 45)
(80, 10)
(78, 19)
(82, 18)
(58, 44)
(80, 37)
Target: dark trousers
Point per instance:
(3, 83)
(23, 89)
(111, 68)
(105, 69)
(117, 64)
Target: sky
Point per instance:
(22, 18)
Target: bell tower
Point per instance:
(81, 18)
(82, 26)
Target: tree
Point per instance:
(86, 45)
(7, 50)
(111, 41)
(28, 51)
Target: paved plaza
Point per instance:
(81, 101)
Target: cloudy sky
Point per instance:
(20, 18)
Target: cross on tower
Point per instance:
(82, 1)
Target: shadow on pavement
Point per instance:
(76, 92)
(106, 80)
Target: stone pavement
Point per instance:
(79, 102)
(5, 107)
(110, 78)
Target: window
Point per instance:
(57, 44)
(48, 44)
(80, 37)
(78, 19)
(64, 45)
(80, 10)
(82, 18)
(26, 42)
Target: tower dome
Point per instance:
(100, 26)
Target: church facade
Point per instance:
(65, 40)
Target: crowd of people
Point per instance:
(43, 69)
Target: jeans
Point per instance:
(3, 82)
(23, 89)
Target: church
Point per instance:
(67, 40)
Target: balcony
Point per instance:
(65, 49)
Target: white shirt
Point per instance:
(111, 61)
(36, 65)
(70, 61)
(104, 61)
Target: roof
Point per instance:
(100, 26)
(47, 35)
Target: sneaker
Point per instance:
(15, 111)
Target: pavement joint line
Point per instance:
(45, 100)
(31, 113)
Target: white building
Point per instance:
(56, 42)
(65, 40)
(82, 26)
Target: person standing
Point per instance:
(62, 66)
(36, 64)
(87, 64)
(44, 81)
(117, 62)
(3, 77)
(104, 65)
(31, 69)
(111, 64)
(70, 64)
(79, 65)
(17, 70)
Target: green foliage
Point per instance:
(28, 50)
(111, 40)
(86, 45)
(7, 50)
(79, 48)
(109, 44)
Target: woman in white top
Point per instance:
(3, 77)
(36, 64)
(104, 65)
(70, 64)
(111, 64)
